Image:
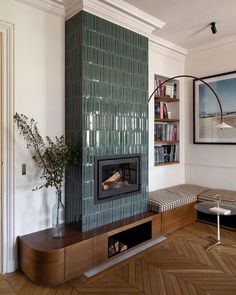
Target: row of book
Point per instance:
(168, 89)
(165, 132)
(165, 154)
(161, 110)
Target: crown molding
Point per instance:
(137, 13)
(123, 14)
(116, 12)
(214, 47)
(166, 51)
(157, 41)
(51, 6)
(72, 7)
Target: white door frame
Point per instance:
(9, 255)
(0, 152)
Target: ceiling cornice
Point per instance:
(214, 47)
(51, 6)
(155, 40)
(123, 14)
(115, 11)
(137, 13)
(170, 53)
(72, 7)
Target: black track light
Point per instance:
(213, 28)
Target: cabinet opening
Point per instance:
(129, 238)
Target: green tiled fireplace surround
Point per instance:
(106, 112)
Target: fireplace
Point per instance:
(106, 114)
(116, 177)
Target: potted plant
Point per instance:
(52, 157)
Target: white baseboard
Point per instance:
(12, 266)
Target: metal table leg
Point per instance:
(217, 241)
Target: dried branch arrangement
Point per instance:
(51, 156)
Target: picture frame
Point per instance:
(206, 110)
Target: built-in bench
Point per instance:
(177, 205)
(227, 197)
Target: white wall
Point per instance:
(165, 62)
(210, 165)
(38, 93)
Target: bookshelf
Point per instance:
(166, 122)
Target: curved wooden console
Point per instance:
(49, 261)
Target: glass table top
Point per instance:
(205, 206)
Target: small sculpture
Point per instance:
(217, 199)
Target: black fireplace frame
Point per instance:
(133, 189)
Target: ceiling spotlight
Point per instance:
(213, 28)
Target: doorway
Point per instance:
(1, 152)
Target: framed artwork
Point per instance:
(207, 111)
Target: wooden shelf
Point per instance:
(166, 122)
(167, 163)
(159, 120)
(166, 99)
(166, 142)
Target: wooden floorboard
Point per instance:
(178, 266)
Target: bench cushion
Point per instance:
(228, 197)
(173, 197)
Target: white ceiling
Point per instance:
(188, 21)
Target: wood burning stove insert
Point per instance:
(116, 177)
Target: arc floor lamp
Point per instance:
(222, 124)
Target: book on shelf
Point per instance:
(161, 110)
(156, 84)
(165, 154)
(165, 132)
(165, 113)
(169, 89)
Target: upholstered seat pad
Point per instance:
(173, 197)
(228, 197)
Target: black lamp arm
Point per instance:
(193, 77)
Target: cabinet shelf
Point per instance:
(159, 120)
(166, 121)
(166, 142)
(167, 163)
(166, 99)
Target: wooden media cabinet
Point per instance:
(49, 261)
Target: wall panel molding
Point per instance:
(211, 166)
(8, 230)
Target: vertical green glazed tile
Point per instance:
(111, 87)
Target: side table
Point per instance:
(205, 208)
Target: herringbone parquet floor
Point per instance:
(178, 266)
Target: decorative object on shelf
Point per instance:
(52, 158)
(58, 217)
(206, 114)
